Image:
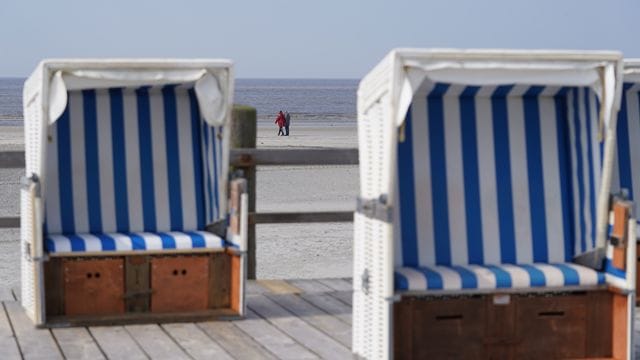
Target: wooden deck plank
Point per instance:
(329, 324)
(302, 332)
(77, 343)
(253, 288)
(155, 342)
(8, 343)
(344, 296)
(331, 305)
(237, 343)
(116, 342)
(34, 343)
(195, 342)
(337, 284)
(273, 339)
(278, 286)
(310, 285)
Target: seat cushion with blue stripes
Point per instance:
(490, 277)
(140, 241)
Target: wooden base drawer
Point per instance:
(93, 286)
(179, 283)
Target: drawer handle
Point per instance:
(551, 313)
(91, 275)
(176, 272)
(448, 317)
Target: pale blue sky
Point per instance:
(303, 38)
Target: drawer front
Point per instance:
(439, 329)
(552, 327)
(179, 283)
(93, 286)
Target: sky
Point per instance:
(303, 38)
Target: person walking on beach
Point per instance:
(280, 120)
(287, 121)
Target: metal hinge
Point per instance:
(27, 253)
(375, 208)
(27, 182)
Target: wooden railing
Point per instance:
(249, 158)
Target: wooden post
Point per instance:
(243, 135)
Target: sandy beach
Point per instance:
(283, 251)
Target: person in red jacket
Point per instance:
(280, 120)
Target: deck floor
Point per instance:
(293, 319)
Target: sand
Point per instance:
(283, 251)
(306, 250)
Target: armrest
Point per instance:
(620, 262)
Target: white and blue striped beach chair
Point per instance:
(125, 158)
(484, 175)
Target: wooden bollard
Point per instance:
(243, 135)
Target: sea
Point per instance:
(309, 101)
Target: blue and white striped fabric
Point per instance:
(626, 173)
(143, 241)
(626, 169)
(497, 175)
(490, 277)
(130, 160)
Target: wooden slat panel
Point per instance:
(619, 325)
(300, 217)
(155, 342)
(77, 343)
(219, 280)
(273, 339)
(331, 305)
(54, 287)
(599, 324)
(235, 286)
(235, 341)
(116, 342)
(137, 286)
(12, 160)
(299, 330)
(9, 222)
(195, 342)
(333, 156)
(34, 343)
(330, 325)
(8, 345)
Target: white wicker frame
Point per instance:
(380, 107)
(36, 110)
